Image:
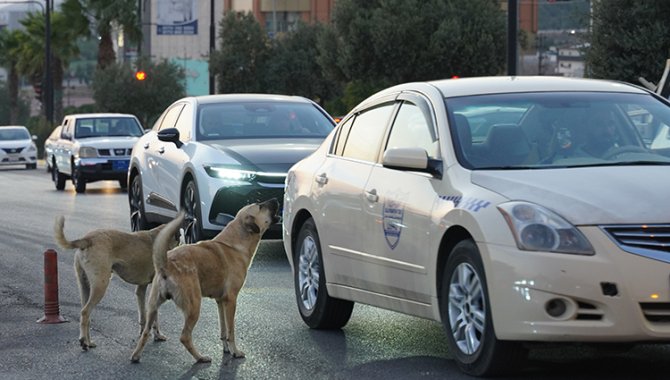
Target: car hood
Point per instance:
(15, 143)
(108, 141)
(275, 155)
(589, 196)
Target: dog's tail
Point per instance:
(63, 242)
(162, 241)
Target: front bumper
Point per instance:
(19, 158)
(227, 201)
(95, 169)
(613, 296)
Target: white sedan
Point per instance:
(511, 209)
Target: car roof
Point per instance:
(13, 126)
(100, 114)
(222, 98)
(507, 84)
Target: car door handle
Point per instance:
(372, 195)
(161, 150)
(146, 145)
(321, 179)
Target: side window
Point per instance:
(185, 123)
(170, 117)
(412, 129)
(342, 135)
(367, 132)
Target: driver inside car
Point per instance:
(601, 133)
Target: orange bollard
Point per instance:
(51, 307)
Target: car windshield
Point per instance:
(559, 129)
(107, 126)
(9, 134)
(260, 120)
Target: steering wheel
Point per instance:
(617, 150)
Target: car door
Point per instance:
(173, 159)
(63, 150)
(399, 205)
(339, 184)
(154, 149)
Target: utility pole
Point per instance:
(212, 31)
(49, 88)
(512, 30)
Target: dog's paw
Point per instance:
(85, 345)
(238, 354)
(135, 359)
(159, 338)
(204, 359)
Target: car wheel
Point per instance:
(466, 315)
(31, 166)
(58, 178)
(78, 181)
(138, 220)
(191, 203)
(316, 307)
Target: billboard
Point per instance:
(176, 17)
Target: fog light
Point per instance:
(556, 307)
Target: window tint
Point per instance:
(411, 129)
(367, 132)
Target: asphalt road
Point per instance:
(375, 344)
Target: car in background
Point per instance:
(551, 226)
(94, 147)
(49, 145)
(17, 146)
(212, 155)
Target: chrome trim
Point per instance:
(159, 201)
(647, 240)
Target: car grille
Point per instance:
(115, 152)
(12, 150)
(652, 241)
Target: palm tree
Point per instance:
(109, 14)
(66, 28)
(9, 45)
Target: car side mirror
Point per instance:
(170, 135)
(34, 137)
(412, 159)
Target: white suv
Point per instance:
(94, 147)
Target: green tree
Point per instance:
(9, 48)
(239, 64)
(22, 107)
(115, 89)
(293, 69)
(106, 16)
(66, 28)
(631, 44)
(376, 43)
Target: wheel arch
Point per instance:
(298, 220)
(454, 235)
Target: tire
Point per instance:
(78, 181)
(192, 222)
(317, 309)
(138, 219)
(58, 178)
(466, 316)
(31, 166)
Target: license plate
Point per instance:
(120, 165)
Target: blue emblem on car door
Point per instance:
(392, 221)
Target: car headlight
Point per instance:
(236, 175)
(31, 148)
(536, 228)
(87, 152)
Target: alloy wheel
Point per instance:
(467, 308)
(308, 273)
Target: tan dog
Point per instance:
(214, 268)
(103, 252)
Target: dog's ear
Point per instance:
(250, 225)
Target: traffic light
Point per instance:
(140, 75)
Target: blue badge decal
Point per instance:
(392, 221)
(468, 203)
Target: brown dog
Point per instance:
(214, 268)
(103, 252)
